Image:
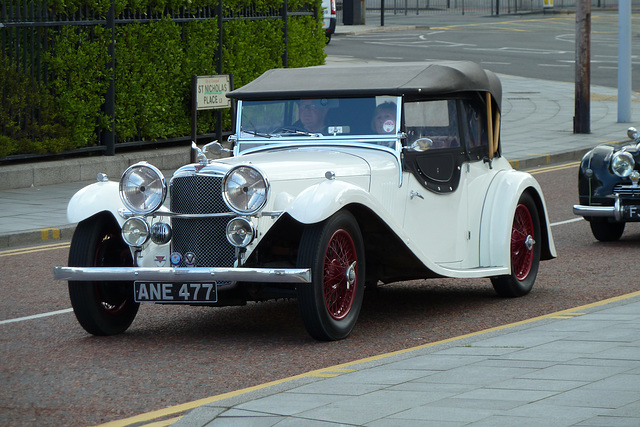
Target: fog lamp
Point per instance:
(161, 233)
(135, 232)
(240, 232)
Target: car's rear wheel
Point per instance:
(334, 251)
(606, 231)
(102, 308)
(525, 251)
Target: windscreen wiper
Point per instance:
(260, 134)
(300, 132)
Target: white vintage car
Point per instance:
(340, 177)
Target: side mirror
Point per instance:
(420, 145)
(214, 148)
(633, 133)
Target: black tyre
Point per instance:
(606, 231)
(102, 308)
(525, 251)
(334, 251)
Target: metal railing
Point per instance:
(25, 39)
(462, 7)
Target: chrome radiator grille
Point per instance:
(627, 191)
(200, 194)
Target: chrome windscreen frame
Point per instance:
(394, 142)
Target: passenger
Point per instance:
(383, 121)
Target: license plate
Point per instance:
(175, 292)
(631, 213)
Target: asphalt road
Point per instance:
(54, 373)
(536, 46)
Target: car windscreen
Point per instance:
(338, 119)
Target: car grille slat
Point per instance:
(205, 237)
(627, 191)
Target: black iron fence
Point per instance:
(373, 8)
(29, 30)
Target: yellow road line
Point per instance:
(32, 249)
(554, 168)
(179, 409)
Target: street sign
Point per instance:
(210, 92)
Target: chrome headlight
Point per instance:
(245, 190)
(622, 163)
(240, 232)
(135, 232)
(143, 188)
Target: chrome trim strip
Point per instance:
(194, 274)
(126, 215)
(194, 216)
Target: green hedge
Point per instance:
(154, 65)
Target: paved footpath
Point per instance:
(579, 367)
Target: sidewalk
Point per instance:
(575, 367)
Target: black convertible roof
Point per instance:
(414, 79)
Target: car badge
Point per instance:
(161, 260)
(190, 259)
(176, 258)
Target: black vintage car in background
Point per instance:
(608, 186)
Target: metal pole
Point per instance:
(624, 61)
(220, 21)
(219, 112)
(109, 134)
(194, 119)
(285, 14)
(382, 13)
(582, 117)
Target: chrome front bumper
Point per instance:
(618, 211)
(192, 274)
(599, 211)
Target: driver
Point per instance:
(312, 115)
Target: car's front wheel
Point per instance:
(606, 231)
(525, 251)
(102, 308)
(334, 251)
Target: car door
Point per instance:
(435, 181)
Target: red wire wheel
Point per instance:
(340, 274)
(334, 251)
(524, 250)
(522, 241)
